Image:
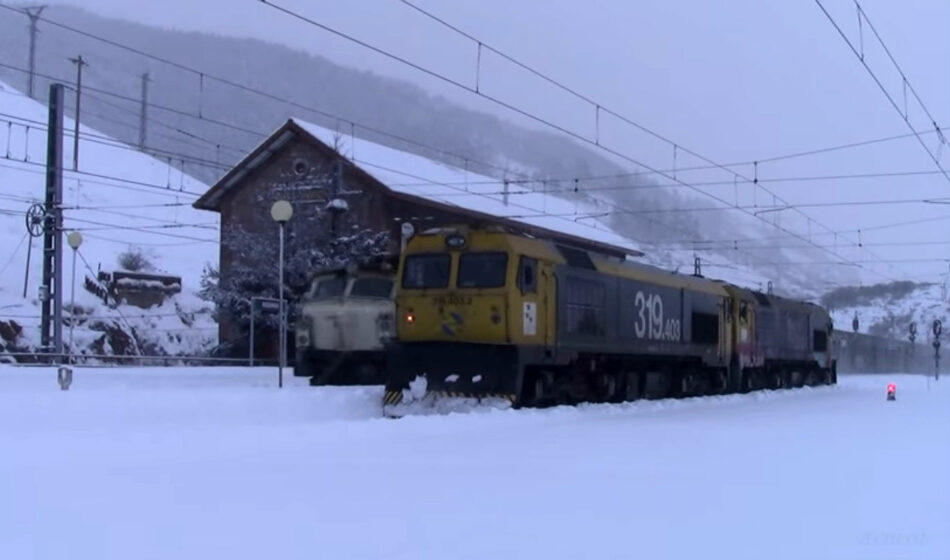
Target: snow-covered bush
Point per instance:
(134, 259)
(250, 277)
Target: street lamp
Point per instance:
(75, 240)
(281, 211)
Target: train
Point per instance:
(343, 323)
(565, 324)
(864, 353)
(485, 313)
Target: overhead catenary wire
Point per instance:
(101, 99)
(760, 209)
(527, 114)
(862, 16)
(273, 96)
(168, 190)
(243, 87)
(113, 143)
(600, 107)
(633, 187)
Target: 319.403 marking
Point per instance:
(650, 323)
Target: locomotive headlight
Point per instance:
(410, 316)
(455, 241)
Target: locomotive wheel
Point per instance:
(748, 382)
(797, 380)
(606, 388)
(722, 383)
(538, 390)
(631, 387)
(775, 380)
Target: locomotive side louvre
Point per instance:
(626, 308)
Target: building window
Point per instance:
(584, 308)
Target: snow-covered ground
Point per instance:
(219, 463)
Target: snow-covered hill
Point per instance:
(889, 309)
(120, 200)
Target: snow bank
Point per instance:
(206, 463)
(121, 199)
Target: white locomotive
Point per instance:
(342, 326)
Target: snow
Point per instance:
(922, 306)
(420, 176)
(338, 204)
(121, 199)
(207, 463)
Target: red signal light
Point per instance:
(891, 387)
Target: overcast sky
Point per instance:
(735, 80)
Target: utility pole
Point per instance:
(52, 243)
(33, 12)
(143, 111)
(79, 62)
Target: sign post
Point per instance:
(937, 329)
(264, 304)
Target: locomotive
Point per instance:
(343, 322)
(485, 313)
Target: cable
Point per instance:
(144, 229)
(906, 82)
(540, 120)
(170, 191)
(852, 176)
(748, 245)
(249, 89)
(118, 144)
(15, 251)
(826, 234)
(143, 243)
(758, 209)
(353, 124)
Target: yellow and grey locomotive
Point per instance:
(485, 313)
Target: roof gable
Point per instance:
(429, 183)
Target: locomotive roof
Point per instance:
(772, 300)
(649, 273)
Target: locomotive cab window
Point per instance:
(330, 287)
(482, 270)
(371, 287)
(426, 271)
(819, 341)
(528, 275)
